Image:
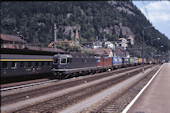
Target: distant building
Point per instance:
(123, 43)
(131, 40)
(12, 42)
(69, 42)
(110, 45)
(97, 45)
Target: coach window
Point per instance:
(14, 64)
(48, 63)
(29, 63)
(43, 63)
(63, 60)
(4, 64)
(37, 64)
(22, 64)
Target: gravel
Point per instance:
(119, 104)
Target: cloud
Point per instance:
(157, 11)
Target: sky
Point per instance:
(158, 13)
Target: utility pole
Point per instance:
(55, 29)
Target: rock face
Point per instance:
(117, 29)
(125, 10)
(125, 30)
(70, 30)
(123, 6)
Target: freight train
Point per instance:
(74, 64)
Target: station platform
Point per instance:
(155, 96)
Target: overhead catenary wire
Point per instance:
(147, 15)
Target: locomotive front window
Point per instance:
(63, 60)
(98, 60)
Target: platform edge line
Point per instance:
(138, 95)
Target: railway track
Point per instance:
(22, 84)
(19, 96)
(25, 84)
(65, 100)
(118, 103)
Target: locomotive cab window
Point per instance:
(63, 60)
(98, 60)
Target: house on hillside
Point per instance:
(69, 42)
(130, 40)
(123, 43)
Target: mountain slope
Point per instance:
(34, 20)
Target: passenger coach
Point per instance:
(22, 65)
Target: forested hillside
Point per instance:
(34, 20)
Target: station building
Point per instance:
(12, 42)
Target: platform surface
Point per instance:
(156, 97)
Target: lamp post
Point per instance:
(143, 46)
(55, 36)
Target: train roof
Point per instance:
(29, 51)
(74, 55)
(62, 56)
(18, 56)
